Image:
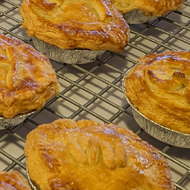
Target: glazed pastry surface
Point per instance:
(86, 155)
(13, 181)
(27, 78)
(148, 7)
(76, 24)
(159, 87)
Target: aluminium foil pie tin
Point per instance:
(5, 123)
(32, 185)
(137, 17)
(65, 55)
(156, 130)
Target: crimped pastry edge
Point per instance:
(154, 129)
(67, 56)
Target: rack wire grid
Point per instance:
(94, 90)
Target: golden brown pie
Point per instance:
(27, 78)
(13, 181)
(159, 87)
(148, 7)
(76, 24)
(86, 155)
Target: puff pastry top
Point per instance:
(76, 24)
(87, 155)
(27, 78)
(159, 87)
(148, 7)
(13, 181)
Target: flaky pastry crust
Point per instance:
(159, 87)
(13, 181)
(87, 155)
(148, 7)
(76, 24)
(27, 78)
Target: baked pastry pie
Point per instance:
(74, 25)
(88, 155)
(159, 88)
(13, 181)
(139, 11)
(27, 78)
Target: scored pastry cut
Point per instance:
(86, 155)
(27, 78)
(13, 181)
(74, 25)
(140, 11)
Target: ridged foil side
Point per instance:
(137, 17)
(67, 56)
(156, 130)
(32, 185)
(6, 123)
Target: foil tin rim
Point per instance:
(159, 132)
(137, 17)
(29, 180)
(65, 55)
(16, 120)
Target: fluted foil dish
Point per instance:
(32, 185)
(137, 17)
(156, 130)
(5, 123)
(67, 56)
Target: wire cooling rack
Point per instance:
(94, 90)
